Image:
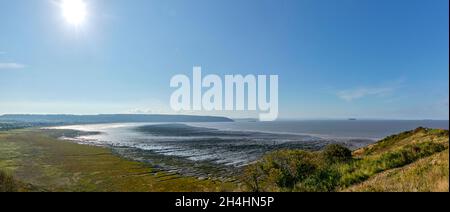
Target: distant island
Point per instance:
(107, 118)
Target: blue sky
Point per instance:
(385, 59)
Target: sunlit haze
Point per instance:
(74, 11)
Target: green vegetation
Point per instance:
(334, 168)
(281, 170)
(361, 169)
(335, 153)
(425, 175)
(295, 170)
(7, 183)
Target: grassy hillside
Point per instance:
(415, 137)
(425, 175)
(411, 161)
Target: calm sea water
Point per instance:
(239, 143)
(371, 129)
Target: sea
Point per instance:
(239, 143)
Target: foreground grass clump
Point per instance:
(7, 183)
(335, 169)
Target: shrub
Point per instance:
(336, 153)
(280, 170)
(253, 177)
(7, 183)
(324, 180)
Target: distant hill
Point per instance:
(109, 118)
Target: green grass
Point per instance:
(400, 140)
(361, 169)
(425, 175)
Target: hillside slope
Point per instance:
(416, 160)
(395, 142)
(428, 174)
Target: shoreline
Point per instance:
(36, 158)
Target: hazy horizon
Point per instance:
(236, 119)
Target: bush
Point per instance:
(336, 153)
(280, 170)
(324, 180)
(253, 177)
(7, 183)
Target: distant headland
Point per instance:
(108, 118)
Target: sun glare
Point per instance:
(74, 11)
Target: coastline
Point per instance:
(44, 163)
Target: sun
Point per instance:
(74, 11)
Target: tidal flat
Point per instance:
(41, 162)
(194, 146)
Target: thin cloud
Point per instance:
(358, 93)
(382, 90)
(11, 66)
(140, 111)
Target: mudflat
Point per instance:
(43, 163)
